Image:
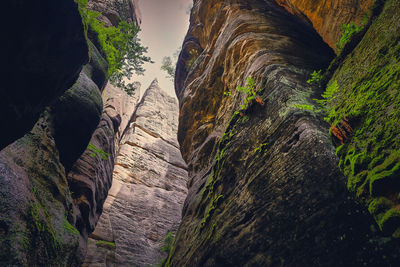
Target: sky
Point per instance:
(164, 26)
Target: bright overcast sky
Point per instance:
(164, 25)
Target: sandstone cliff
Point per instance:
(265, 186)
(52, 194)
(326, 16)
(44, 50)
(149, 187)
(272, 177)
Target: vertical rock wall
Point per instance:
(52, 194)
(265, 187)
(327, 16)
(45, 49)
(149, 187)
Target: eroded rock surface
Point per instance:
(35, 226)
(149, 187)
(91, 176)
(327, 16)
(58, 190)
(44, 52)
(265, 187)
(114, 11)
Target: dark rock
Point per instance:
(44, 50)
(265, 187)
(96, 70)
(35, 203)
(76, 116)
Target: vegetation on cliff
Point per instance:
(121, 47)
(364, 113)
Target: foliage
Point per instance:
(103, 243)
(169, 64)
(251, 93)
(169, 239)
(307, 107)
(169, 67)
(120, 45)
(228, 93)
(316, 78)
(327, 97)
(349, 30)
(97, 152)
(167, 247)
(194, 54)
(369, 97)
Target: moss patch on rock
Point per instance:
(369, 98)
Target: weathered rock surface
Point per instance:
(327, 16)
(368, 103)
(44, 52)
(91, 176)
(55, 187)
(113, 11)
(35, 226)
(265, 187)
(76, 115)
(149, 187)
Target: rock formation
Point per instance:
(59, 190)
(45, 49)
(327, 17)
(149, 187)
(265, 186)
(273, 177)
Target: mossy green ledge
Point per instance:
(369, 97)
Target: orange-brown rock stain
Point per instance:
(327, 16)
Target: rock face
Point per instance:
(91, 176)
(35, 229)
(115, 10)
(58, 175)
(327, 16)
(47, 48)
(265, 186)
(368, 102)
(149, 187)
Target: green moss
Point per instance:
(107, 244)
(306, 107)
(369, 98)
(211, 210)
(384, 174)
(168, 241)
(42, 235)
(70, 228)
(261, 148)
(349, 30)
(95, 151)
(316, 78)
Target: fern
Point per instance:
(97, 152)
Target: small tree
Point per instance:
(169, 64)
(169, 67)
(120, 45)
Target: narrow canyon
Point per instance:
(281, 146)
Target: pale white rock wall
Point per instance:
(149, 187)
